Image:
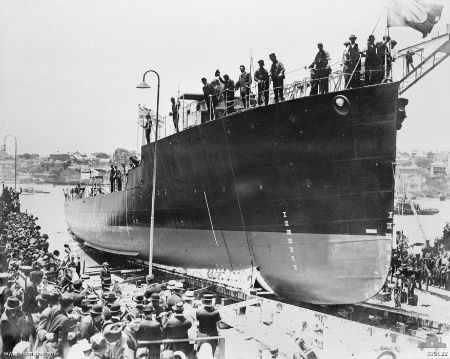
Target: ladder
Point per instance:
(428, 63)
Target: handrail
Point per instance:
(166, 341)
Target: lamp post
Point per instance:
(15, 157)
(144, 85)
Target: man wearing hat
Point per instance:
(99, 346)
(208, 317)
(54, 334)
(156, 303)
(105, 272)
(262, 79)
(130, 330)
(277, 74)
(78, 292)
(117, 342)
(10, 330)
(244, 83)
(92, 324)
(80, 350)
(353, 64)
(383, 54)
(85, 307)
(320, 69)
(150, 329)
(393, 56)
(5, 291)
(176, 290)
(371, 64)
(152, 286)
(116, 312)
(30, 293)
(190, 312)
(176, 327)
(52, 300)
(228, 91)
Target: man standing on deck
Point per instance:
(352, 78)
(208, 317)
(371, 65)
(208, 94)
(175, 113)
(147, 126)
(262, 78)
(112, 177)
(277, 74)
(321, 69)
(244, 82)
(383, 54)
(118, 178)
(228, 91)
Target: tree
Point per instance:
(101, 155)
(423, 162)
(121, 155)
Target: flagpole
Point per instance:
(386, 34)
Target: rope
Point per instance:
(237, 197)
(353, 73)
(210, 219)
(377, 23)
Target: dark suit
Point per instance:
(207, 318)
(59, 324)
(150, 330)
(30, 304)
(10, 333)
(172, 300)
(77, 298)
(177, 327)
(87, 327)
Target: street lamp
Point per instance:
(144, 85)
(15, 157)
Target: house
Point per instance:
(438, 169)
(59, 157)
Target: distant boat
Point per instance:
(28, 190)
(404, 208)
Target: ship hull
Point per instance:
(294, 188)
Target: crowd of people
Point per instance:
(377, 58)
(47, 306)
(411, 271)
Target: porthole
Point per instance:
(341, 105)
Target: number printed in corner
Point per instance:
(437, 354)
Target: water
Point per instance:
(432, 225)
(50, 210)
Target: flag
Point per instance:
(421, 15)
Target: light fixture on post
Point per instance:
(15, 157)
(144, 85)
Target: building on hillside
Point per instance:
(409, 178)
(59, 157)
(79, 157)
(438, 169)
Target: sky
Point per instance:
(69, 69)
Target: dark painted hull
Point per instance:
(295, 188)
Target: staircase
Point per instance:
(428, 63)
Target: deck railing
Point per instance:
(335, 81)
